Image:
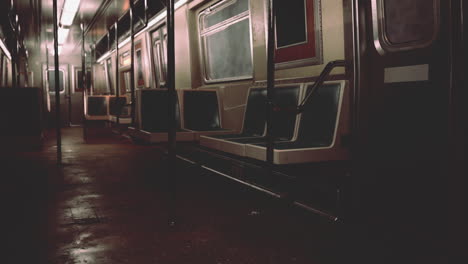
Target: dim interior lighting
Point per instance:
(5, 49)
(62, 35)
(70, 8)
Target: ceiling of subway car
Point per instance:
(36, 20)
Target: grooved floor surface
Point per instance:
(108, 203)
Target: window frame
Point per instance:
(381, 42)
(110, 78)
(202, 32)
(313, 29)
(77, 79)
(64, 80)
(139, 68)
(122, 58)
(159, 70)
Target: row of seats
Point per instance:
(107, 108)
(201, 115)
(316, 134)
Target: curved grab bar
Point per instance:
(323, 75)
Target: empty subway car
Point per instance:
(350, 109)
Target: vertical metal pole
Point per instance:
(57, 88)
(83, 75)
(117, 81)
(69, 99)
(270, 84)
(18, 59)
(14, 62)
(132, 64)
(172, 110)
(46, 96)
(17, 46)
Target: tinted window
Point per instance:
(228, 52)
(140, 80)
(79, 87)
(409, 21)
(225, 33)
(159, 59)
(231, 9)
(109, 73)
(51, 78)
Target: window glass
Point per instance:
(140, 80)
(159, 58)
(109, 75)
(226, 42)
(51, 78)
(139, 15)
(154, 7)
(125, 59)
(79, 87)
(231, 9)
(102, 46)
(127, 81)
(409, 21)
(228, 52)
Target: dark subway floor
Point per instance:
(108, 203)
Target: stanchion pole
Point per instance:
(57, 87)
(172, 174)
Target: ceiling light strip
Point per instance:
(70, 8)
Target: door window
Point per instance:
(404, 25)
(51, 81)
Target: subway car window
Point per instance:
(125, 59)
(404, 25)
(109, 76)
(102, 46)
(139, 66)
(226, 41)
(139, 15)
(297, 31)
(127, 81)
(154, 7)
(51, 80)
(79, 87)
(159, 59)
(230, 9)
(409, 21)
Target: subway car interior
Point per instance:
(233, 131)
